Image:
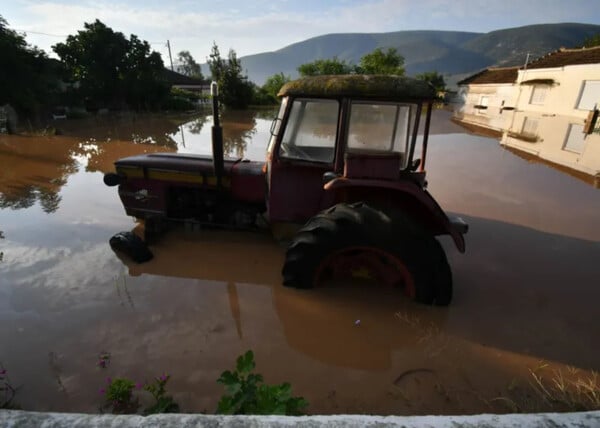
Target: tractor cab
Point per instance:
(332, 128)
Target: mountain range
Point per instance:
(454, 54)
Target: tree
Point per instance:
(188, 66)
(380, 62)
(376, 62)
(592, 41)
(274, 84)
(143, 76)
(29, 79)
(325, 67)
(235, 90)
(112, 69)
(435, 78)
(216, 63)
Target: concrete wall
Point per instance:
(14, 418)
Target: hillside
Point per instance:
(510, 46)
(448, 52)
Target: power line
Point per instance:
(39, 32)
(66, 35)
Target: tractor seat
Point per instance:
(382, 166)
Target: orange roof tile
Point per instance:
(564, 57)
(492, 75)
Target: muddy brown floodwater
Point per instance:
(526, 291)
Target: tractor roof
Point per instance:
(360, 85)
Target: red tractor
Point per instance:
(341, 165)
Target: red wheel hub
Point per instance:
(371, 263)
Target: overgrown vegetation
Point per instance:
(235, 90)
(29, 78)
(247, 394)
(378, 61)
(552, 390)
(592, 41)
(100, 68)
(111, 71)
(119, 397)
(267, 93)
(188, 66)
(163, 403)
(434, 78)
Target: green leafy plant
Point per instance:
(163, 403)
(119, 395)
(246, 393)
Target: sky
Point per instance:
(255, 26)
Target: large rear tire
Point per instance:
(346, 239)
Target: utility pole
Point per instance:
(170, 57)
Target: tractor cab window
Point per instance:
(379, 127)
(311, 130)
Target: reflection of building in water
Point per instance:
(547, 108)
(557, 139)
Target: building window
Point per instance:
(483, 105)
(379, 126)
(538, 95)
(311, 131)
(530, 126)
(590, 95)
(575, 141)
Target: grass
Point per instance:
(552, 390)
(544, 388)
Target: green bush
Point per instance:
(163, 403)
(247, 395)
(119, 395)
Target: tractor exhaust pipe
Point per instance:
(217, 135)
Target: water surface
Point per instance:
(525, 291)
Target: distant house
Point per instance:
(547, 108)
(484, 97)
(181, 81)
(564, 82)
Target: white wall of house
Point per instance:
(485, 104)
(573, 93)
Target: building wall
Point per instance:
(546, 121)
(562, 97)
(494, 97)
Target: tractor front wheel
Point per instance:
(358, 241)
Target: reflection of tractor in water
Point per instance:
(341, 161)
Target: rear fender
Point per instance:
(405, 194)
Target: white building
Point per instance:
(548, 110)
(486, 97)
